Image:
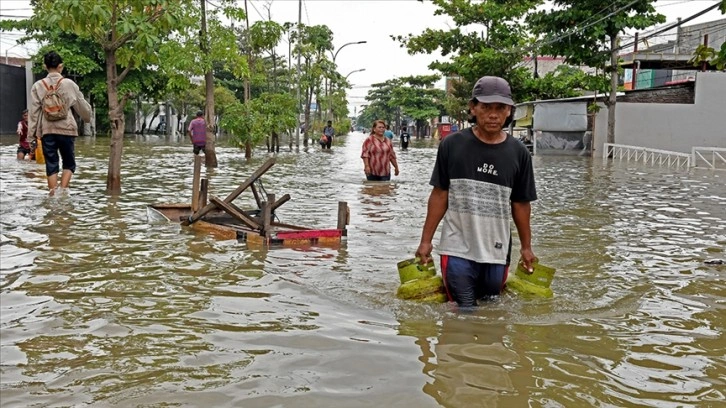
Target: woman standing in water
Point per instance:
(378, 154)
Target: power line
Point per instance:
(258, 11)
(676, 24)
(307, 16)
(561, 37)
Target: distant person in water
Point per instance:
(378, 154)
(388, 133)
(327, 139)
(405, 138)
(198, 133)
(23, 143)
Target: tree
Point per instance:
(413, 96)
(708, 54)
(381, 105)
(252, 121)
(564, 82)
(262, 37)
(586, 32)
(194, 53)
(418, 99)
(313, 43)
(490, 38)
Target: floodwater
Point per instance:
(101, 307)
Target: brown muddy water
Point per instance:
(100, 306)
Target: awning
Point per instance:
(523, 116)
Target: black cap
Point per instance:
(491, 89)
(200, 113)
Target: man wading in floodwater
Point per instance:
(481, 179)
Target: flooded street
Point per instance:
(101, 307)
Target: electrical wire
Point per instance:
(676, 24)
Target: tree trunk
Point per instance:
(153, 116)
(420, 126)
(116, 118)
(275, 142)
(210, 154)
(308, 101)
(613, 88)
(307, 123)
(247, 96)
(139, 116)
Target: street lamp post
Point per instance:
(6, 53)
(353, 72)
(349, 74)
(335, 56)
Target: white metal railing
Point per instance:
(712, 157)
(647, 156)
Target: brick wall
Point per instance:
(674, 94)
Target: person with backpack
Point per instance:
(50, 118)
(198, 133)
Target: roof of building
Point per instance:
(676, 84)
(675, 54)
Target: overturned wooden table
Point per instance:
(225, 220)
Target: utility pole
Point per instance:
(297, 102)
(636, 63)
(248, 142)
(613, 87)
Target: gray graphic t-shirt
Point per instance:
(482, 180)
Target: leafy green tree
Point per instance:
(586, 32)
(564, 82)
(490, 38)
(251, 122)
(259, 42)
(243, 122)
(312, 43)
(264, 38)
(278, 114)
(413, 96)
(381, 105)
(709, 54)
(418, 99)
(336, 101)
(206, 43)
(342, 126)
(374, 111)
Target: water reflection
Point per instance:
(466, 360)
(98, 306)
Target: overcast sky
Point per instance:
(373, 21)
